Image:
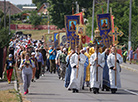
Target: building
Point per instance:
(43, 9)
(14, 9)
(29, 8)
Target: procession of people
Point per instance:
(78, 68)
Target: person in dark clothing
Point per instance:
(9, 67)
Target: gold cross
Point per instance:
(116, 34)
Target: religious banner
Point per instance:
(81, 31)
(49, 38)
(62, 38)
(56, 39)
(104, 25)
(70, 23)
(81, 17)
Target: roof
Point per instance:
(14, 9)
(43, 5)
(29, 7)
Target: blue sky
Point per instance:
(19, 1)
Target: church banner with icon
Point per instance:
(62, 38)
(104, 25)
(49, 38)
(56, 39)
(70, 23)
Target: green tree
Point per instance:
(39, 2)
(4, 37)
(35, 19)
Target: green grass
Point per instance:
(9, 96)
(36, 34)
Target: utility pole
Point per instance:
(4, 13)
(108, 6)
(48, 22)
(93, 19)
(9, 18)
(72, 9)
(77, 7)
(130, 13)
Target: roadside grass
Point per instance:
(36, 34)
(9, 96)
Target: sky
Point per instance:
(19, 1)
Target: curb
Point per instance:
(129, 68)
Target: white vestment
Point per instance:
(111, 63)
(76, 83)
(93, 82)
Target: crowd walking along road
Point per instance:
(80, 70)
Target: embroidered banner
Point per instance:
(104, 25)
(56, 39)
(70, 23)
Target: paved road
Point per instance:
(50, 89)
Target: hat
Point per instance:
(84, 49)
(10, 55)
(64, 49)
(33, 53)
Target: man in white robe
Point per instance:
(76, 82)
(96, 84)
(111, 65)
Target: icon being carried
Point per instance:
(104, 23)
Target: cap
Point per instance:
(64, 49)
(33, 53)
(84, 49)
(10, 55)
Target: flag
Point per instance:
(56, 37)
(81, 17)
(104, 25)
(70, 23)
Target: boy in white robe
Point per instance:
(111, 65)
(76, 82)
(96, 84)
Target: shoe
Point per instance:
(69, 89)
(90, 89)
(83, 88)
(73, 91)
(25, 93)
(77, 91)
(94, 92)
(107, 89)
(32, 80)
(9, 82)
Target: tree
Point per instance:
(4, 37)
(121, 14)
(35, 19)
(39, 2)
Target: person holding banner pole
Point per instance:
(114, 79)
(76, 82)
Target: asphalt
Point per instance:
(131, 67)
(50, 89)
(5, 86)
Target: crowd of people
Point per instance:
(78, 68)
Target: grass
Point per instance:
(9, 96)
(36, 34)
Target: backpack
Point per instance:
(29, 61)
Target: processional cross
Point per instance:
(115, 42)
